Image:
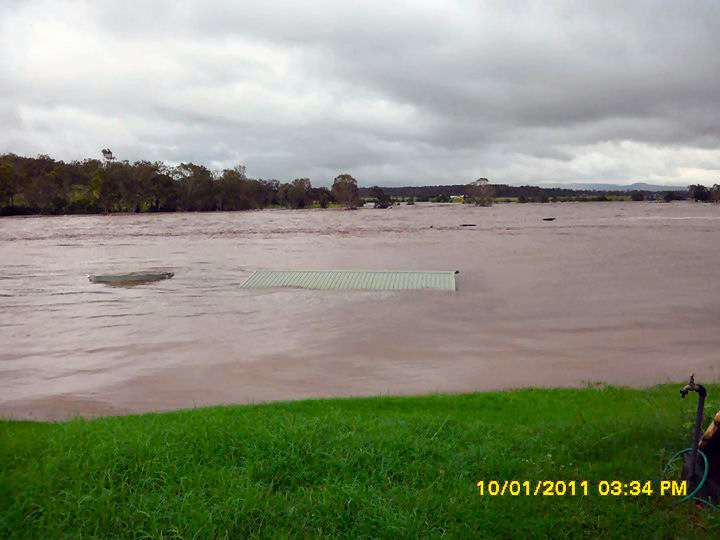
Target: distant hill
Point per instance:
(638, 186)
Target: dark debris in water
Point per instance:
(130, 280)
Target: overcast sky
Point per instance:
(395, 93)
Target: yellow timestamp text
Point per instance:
(583, 488)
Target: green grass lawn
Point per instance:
(388, 467)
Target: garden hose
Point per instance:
(691, 496)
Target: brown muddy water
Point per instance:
(624, 293)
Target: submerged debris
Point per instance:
(548, 219)
(385, 280)
(131, 279)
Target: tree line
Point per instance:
(48, 186)
(703, 194)
(542, 194)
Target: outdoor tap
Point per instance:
(692, 387)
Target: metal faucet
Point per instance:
(700, 389)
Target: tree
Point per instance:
(669, 196)
(236, 192)
(699, 192)
(345, 190)
(45, 193)
(381, 200)
(637, 196)
(299, 193)
(196, 187)
(715, 193)
(8, 183)
(105, 193)
(480, 192)
(323, 196)
(126, 180)
(139, 187)
(268, 192)
(283, 195)
(161, 192)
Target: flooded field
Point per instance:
(623, 293)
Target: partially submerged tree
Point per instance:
(715, 193)
(699, 192)
(480, 192)
(381, 199)
(345, 190)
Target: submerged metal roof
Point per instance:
(350, 280)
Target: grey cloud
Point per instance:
(406, 92)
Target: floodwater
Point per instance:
(623, 293)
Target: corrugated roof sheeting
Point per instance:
(350, 280)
